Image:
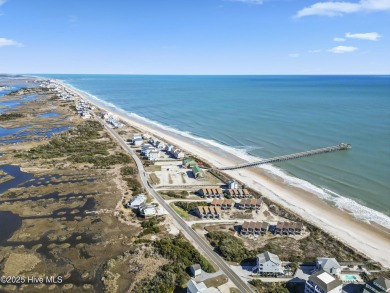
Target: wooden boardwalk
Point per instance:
(340, 147)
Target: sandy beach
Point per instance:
(372, 240)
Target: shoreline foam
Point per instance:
(291, 192)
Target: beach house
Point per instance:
(329, 265)
(148, 210)
(178, 154)
(188, 162)
(322, 282)
(268, 263)
(232, 184)
(137, 139)
(379, 285)
(136, 201)
(153, 154)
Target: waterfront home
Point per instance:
(137, 139)
(225, 204)
(86, 115)
(153, 154)
(178, 154)
(232, 184)
(136, 201)
(196, 270)
(208, 212)
(379, 285)
(322, 282)
(250, 203)
(268, 263)
(211, 192)
(193, 287)
(197, 171)
(159, 144)
(329, 265)
(238, 193)
(288, 228)
(169, 148)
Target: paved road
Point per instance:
(207, 249)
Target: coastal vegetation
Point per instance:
(82, 144)
(181, 254)
(269, 287)
(189, 206)
(307, 249)
(230, 247)
(10, 116)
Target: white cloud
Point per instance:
(364, 36)
(6, 42)
(315, 51)
(342, 49)
(338, 39)
(341, 8)
(293, 55)
(256, 2)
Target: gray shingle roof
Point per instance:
(267, 256)
(325, 286)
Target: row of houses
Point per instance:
(83, 109)
(239, 193)
(260, 228)
(250, 203)
(288, 228)
(211, 192)
(225, 204)
(208, 212)
(254, 228)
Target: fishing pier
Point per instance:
(340, 147)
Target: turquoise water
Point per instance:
(266, 116)
(349, 278)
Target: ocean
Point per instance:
(265, 116)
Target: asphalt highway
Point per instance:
(194, 237)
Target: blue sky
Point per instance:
(195, 36)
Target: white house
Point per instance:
(268, 263)
(233, 184)
(153, 154)
(329, 265)
(178, 154)
(137, 139)
(323, 282)
(136, 201)
(193, 287)
(148, 210)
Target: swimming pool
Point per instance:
(348, 278)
